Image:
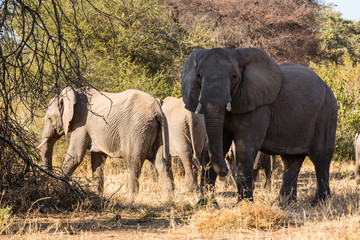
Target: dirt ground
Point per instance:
(150, 217)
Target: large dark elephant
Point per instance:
(247, 98)
(129, 124)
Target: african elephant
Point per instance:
(357, 157)
(129, 124)
(187, 137)
(247, 98)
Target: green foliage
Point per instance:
(5, 214)
(339, 38)
(344, 80)
(137, 46)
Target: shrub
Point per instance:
(139, 46)
(339, 38)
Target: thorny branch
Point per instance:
(78, 192)
(36, 61)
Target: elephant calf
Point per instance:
(266, 162)
(129, 124)
(187, 137)
(262, 161)
(357, 157)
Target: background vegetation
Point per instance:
(114, 45)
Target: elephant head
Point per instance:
(218, 80)
(58, 118)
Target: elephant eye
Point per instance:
(233, 76)
(198, 76)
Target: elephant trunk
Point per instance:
(49, 138)
(214, 123)
(47, 152)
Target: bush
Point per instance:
(138, 46)
(339, 38)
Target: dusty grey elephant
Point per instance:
(129, 124)
(187, 137)
(357, 158)
(247, 98)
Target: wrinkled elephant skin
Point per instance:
(247, 98)
(129, 124)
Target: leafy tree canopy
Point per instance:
(339, 38)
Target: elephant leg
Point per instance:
(208, 174)
(268, 169)
(164, 170)
(190, 180)
(322, 177)
(207, 181)
(97, 166)
(244, 177)
(195, 176)
(292, 165)
(135, 164)
(357, 158)
(357, 170)
(79, 142)
(257, 165)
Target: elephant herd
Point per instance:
(230, 97)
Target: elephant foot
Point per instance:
(131, 199)
(206, 202)
(320, 199)
(245, 195)
(240, 199)
(287, 200)
(358, 181)
(169, 198)
(193, 189)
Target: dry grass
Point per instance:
(151, 217)
(245, 216)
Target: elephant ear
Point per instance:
(261, 80)
(67, 104)
(190, 86)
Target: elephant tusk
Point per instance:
(228, 107)
(198, 108)
(42, 143)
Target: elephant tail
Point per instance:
(164, 134)
(191, 128)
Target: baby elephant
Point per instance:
(357, 157)
(129, 124)
(266, 162)
(262, 161)
(187, 137)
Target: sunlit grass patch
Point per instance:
(5, 219)
(246, 215)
